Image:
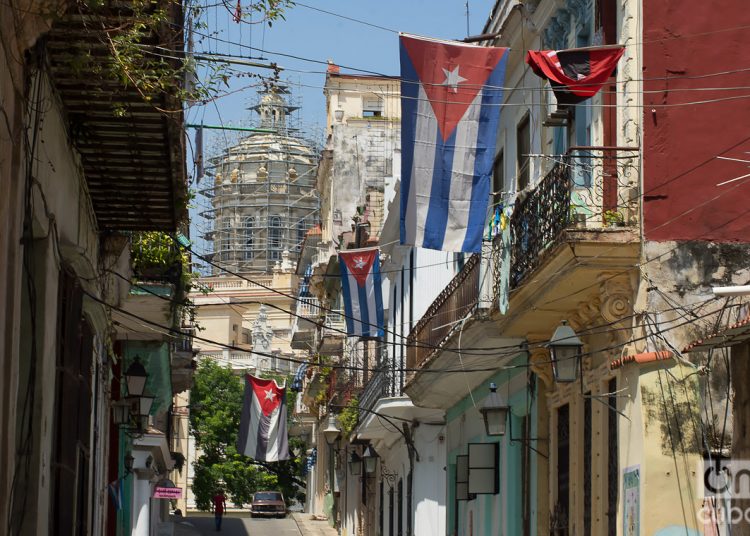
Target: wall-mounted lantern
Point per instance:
(565, 350)
(495, 412)
(331, 432)
(370, 458)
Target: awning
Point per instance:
(730, 336)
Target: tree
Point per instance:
(215, 409)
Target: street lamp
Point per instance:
(355, 464)
(331, 432)
(135, 377)
(565, 350)
(370, 458)
(121, 412)
(495, 412)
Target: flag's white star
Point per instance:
(452, 79)
(270, 395)
(359, 262)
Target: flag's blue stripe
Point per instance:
(347, 297)
(409, 102)
(378, 295)
(489, 119)
(363, 328)
(440, 193)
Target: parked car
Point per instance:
(268, 503)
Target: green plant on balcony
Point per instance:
(156, 256)
(349, 416)
(613, 218)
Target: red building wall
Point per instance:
(683, 41)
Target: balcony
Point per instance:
(381, 385)
(332, 334)
(225, 283)
(574, 252)
(592, 189)
(308, 308)
(306, 323)
(451, 305)
(129, 136)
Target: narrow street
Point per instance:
(242, 525)
(234, 525)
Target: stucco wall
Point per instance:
(682, 51)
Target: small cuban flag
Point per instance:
(263, 433)
(450, 108)
(363, 295)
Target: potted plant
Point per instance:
(613, 218)
(577, 219)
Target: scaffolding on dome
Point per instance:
(257, 199)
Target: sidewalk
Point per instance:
(311, 527)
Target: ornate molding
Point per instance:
(616, 297)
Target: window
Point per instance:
(372, 106)
(248, 230)
(587, 444)
(390, 512)
(612, 471)
(523, 148)
(400, 529)
(381, 507)
(274, 237)
(498, 180)
(301, 231)
(562, 507)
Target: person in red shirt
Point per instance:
(220, 504)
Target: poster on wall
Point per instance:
(631, 488)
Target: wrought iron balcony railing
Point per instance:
(381, 385)
(451, 305)
(591, 188)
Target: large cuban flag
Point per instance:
(450, 107)
(363, 293)
(263, 434)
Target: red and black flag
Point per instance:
(575, 74)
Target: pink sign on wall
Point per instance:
(167, 493)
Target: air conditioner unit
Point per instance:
(554, 114)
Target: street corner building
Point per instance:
(93, 356)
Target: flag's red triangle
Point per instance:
(359, 264)
(268, 393)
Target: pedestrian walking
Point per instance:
(220, 504)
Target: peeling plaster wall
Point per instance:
(681, 279)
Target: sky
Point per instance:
(319, 36)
